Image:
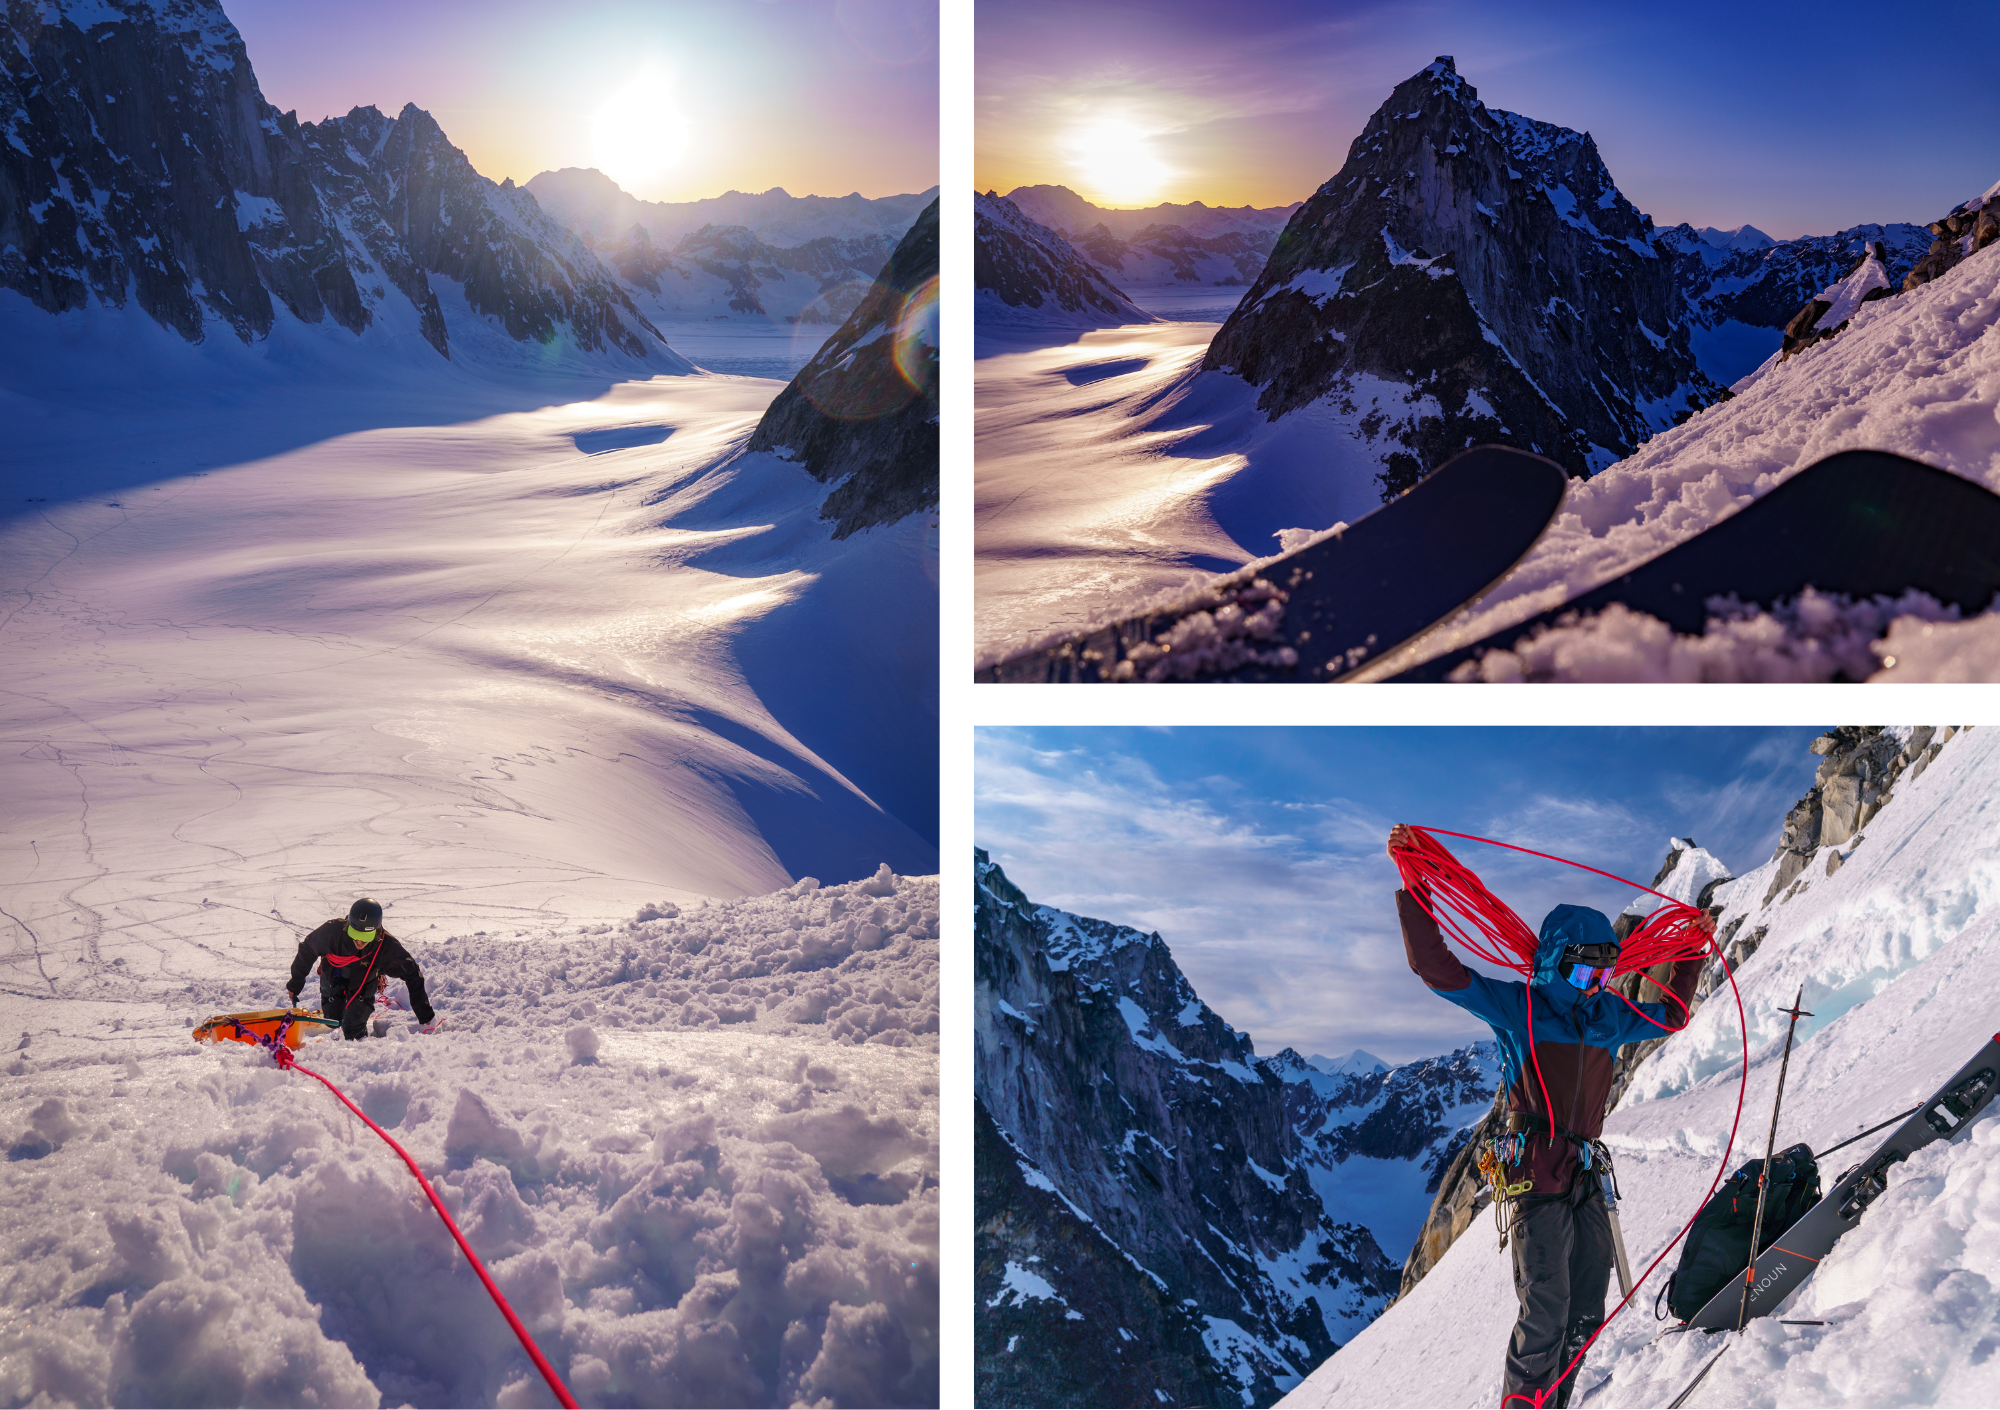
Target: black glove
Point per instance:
(293, 996)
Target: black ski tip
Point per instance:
(1863, 523)
(1317, 613)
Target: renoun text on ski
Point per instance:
(1547, 1169)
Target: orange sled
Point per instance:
(288, 1026)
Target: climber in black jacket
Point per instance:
(356, 958)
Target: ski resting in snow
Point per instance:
(1862, 523)
(1318, 612)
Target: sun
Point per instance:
(639, 131)
(1117, 162)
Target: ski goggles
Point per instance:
(361, 934)
(1583, 976)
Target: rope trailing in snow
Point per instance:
(284, 1058)
(1487, 927)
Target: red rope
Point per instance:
(285, 1059)
(1671, 933)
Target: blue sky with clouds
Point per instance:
(1258, 853)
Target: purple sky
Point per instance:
(1796, 118)
(822, 97)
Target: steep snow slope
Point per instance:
(1917, 374)
(699, 1154)
(1895, 950)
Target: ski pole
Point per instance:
(1770, 1147)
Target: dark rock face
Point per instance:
(1485, 267)
(1022, 271)
(863, 414)
(143, 159)
(1965, 229)
(1036, 1347)
(1154, 1121)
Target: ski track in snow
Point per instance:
(1896, 951)
(365, 625)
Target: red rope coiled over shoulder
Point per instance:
(1487, 927)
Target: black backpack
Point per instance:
(1717, 1248)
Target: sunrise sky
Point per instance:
(1796, 118)
(674, 100)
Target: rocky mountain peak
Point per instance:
(1485, 266)
(1122, 1092)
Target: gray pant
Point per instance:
(1562, 1267)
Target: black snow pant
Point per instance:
(353, 1011)
(1562, 1268)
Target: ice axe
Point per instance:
(1770, 1145)
(1610, 1184)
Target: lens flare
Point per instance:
(639, 132)
(1117, 162)
(917, 338)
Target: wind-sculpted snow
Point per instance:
(727, 1195)
(1895, 947)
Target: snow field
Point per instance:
(1896, 951)
(698, 1152)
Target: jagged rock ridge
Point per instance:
(1024, 272)
(1157, 1125)
(863, 414)
(142, 162)
(1483, 266)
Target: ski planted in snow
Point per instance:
(1863, 523)
(1799, 1249)
(1319, 612)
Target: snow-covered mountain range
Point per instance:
(1024, 273)
(1475, 276)
(1062, 210)
(1883, 900)
(1162, 1216)
(593, 205)
(142, 164)
(775, 256)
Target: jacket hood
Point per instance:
(1566, 926)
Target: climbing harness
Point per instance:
(1487, 927)
(281, 1053)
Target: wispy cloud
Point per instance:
(1282, 917)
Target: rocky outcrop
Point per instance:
(1860, 764)
(1831, 311)
(1156, 1124)
(1023, 272)
(1963, 230)
(1485, 269)
(1048, 1283)
(863, 414)
(142, 162)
